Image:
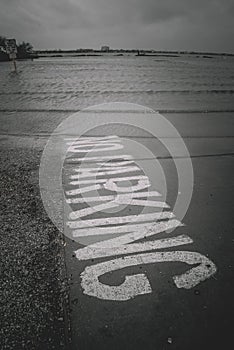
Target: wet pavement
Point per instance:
(42, 300)
(169, 316)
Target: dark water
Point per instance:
(166, 83)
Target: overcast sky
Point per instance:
(205, 25)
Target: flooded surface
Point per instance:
(45, 306)
(167, 83)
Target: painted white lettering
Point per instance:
(120, 219)
(139, 284)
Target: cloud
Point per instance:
(168, 24)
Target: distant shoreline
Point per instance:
(121, 52)
(113, 53)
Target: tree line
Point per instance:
(24, 50)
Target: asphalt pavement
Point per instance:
(46, 300)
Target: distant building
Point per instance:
(105, 48)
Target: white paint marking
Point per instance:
(100, 158)
(140, 202)
(94, 147)
(86, 172)
(91, 252)
(109, 197)
(112, 186)
(96, 169)
(118, 179)
(83, 190)
(113, 204)
(139, 284)
(114, 164)
(120, 219)
(91, 210)
(91, 138)
(149, 230)
(87, 140)
(138, 231)
(118, 201)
